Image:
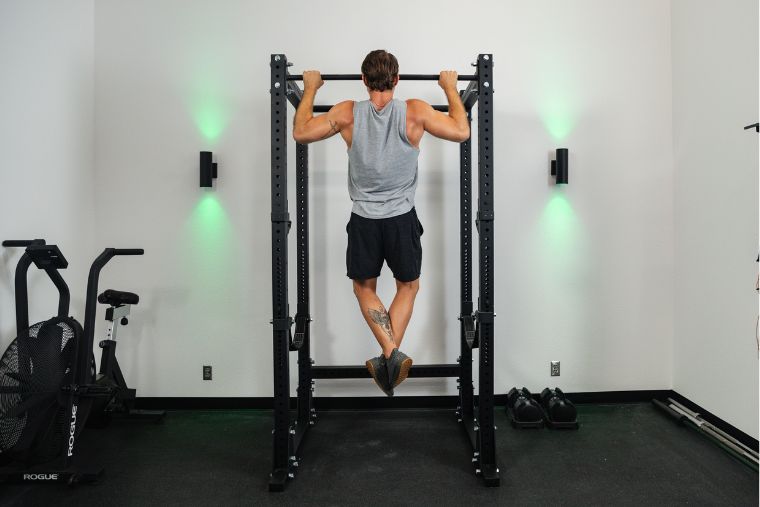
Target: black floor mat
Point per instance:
(622, 455)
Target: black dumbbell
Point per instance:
(559, 410)
(523, 410)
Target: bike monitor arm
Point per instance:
(22, 242)
(48, 258)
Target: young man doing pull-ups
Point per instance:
(383, 136)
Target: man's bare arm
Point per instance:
(453, 126)
(308, 128)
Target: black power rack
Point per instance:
(475, 413)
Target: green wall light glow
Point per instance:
(210, 120)
(209, 248)
(559, 226)
(210, 216)
(557, 92)
(208, 105)
(206, 259)
(557, 116)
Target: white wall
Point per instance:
(715, 94)
(585, 272)
(46, 139)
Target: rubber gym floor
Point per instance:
(626, 454)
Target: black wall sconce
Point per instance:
(208, 169)
(559, 166)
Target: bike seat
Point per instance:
(118, 298)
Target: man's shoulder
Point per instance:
(416, 108)
(416, 103)
(345, 110)
(345, 105)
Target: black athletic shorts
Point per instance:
(395, 240)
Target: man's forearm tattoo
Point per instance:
(382, 319)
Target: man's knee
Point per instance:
(412, 287)
(363, 287)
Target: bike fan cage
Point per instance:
(475, 413)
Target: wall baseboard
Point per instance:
(381, 402)
(407, 402)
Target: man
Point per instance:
(383, 136)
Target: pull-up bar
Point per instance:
(469, 95)
(323, 108)
(402, 77)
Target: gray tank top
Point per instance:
(382, 164)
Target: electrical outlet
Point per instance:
(554, 368)
(206, 372)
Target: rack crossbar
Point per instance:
(421, 371)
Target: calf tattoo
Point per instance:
(382, 319)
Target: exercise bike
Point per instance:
(110, 375)
(47, 384)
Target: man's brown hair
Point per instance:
(380, 69)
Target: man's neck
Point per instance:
(380, 99)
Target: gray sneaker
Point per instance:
(398, 366)
(379, 370)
